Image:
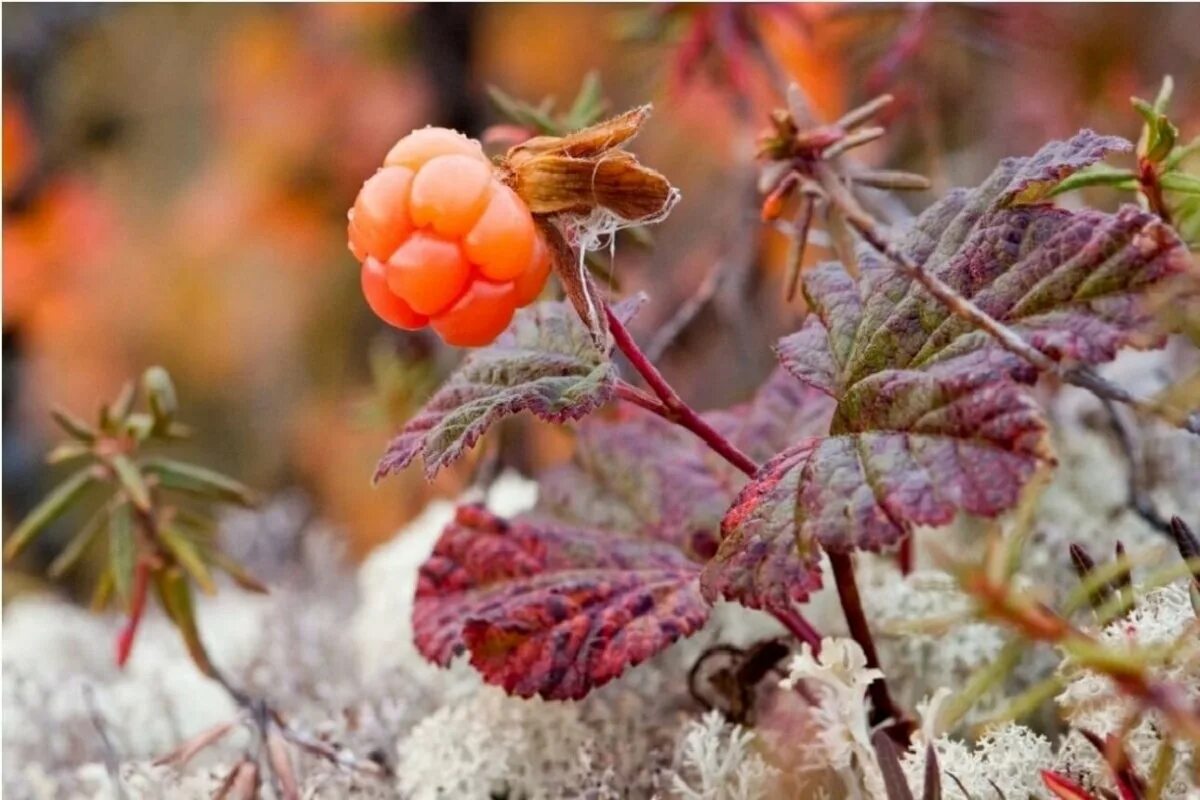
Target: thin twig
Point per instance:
(111, 761)
(1139, 499)
(1079, 375)
(687, 313)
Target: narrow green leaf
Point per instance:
(176, 597)
(1099, 175)
(160, 391)
(1181, 182)
(240, 575)
(185, 552)
(140, 426)
(50, 509)
(67, 451)
(73, 425)
(103, 591)
(193, 479)
(1180, 153)
(1160, 772)
(122, 552)
(1164, 94)
(1028, 701)
(132, 481)
(1145, 111)
(588, 103)
(120, 408)
(979, 683)
(79, 543)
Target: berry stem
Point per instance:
(671, 407)
(883, 707)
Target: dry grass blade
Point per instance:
(180, 756)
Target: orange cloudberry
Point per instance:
(443, 242)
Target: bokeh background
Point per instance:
(176, 179)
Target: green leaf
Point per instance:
(1181, 182)
(51, 508)
(102, 592)
(185, 552)
(1180, 153)
(1098, 175)
(67, 451)
(522, 113)
(545, 363)
(240, 575)
(160, 392)
(1159, 136)
(180, 476)
(131, 481)
(73, 425)
(928, 404)
(120, 408)
(122, 552)
(79, 543)
(140, 426)
(589, 103)
(1164, 94)
(176, 597)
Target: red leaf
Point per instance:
(545, 363)
(929, 417)
(549, 609)
(1063, 787)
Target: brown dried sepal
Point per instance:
(585, 170)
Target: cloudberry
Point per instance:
(443, 242)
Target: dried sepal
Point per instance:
(587, 170)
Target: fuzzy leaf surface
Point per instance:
(605, 572)
(551, 609)
(545, 363)
(930, 418)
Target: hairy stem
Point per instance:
(1079, 375)
(883, 707)
(672, 407)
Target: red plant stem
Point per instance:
(672, 406)
(631, 394)
(141, 583)
(883, 708)
(1152, 188)
(906, 555)
(799, 627)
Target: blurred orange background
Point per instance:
(176, 179)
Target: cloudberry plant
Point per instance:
(900, 401)
(443, 242)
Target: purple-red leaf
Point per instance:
(645, 476)
(929, 417)
(551, 609)
(605, 574)
(545, 363)
(1069, 281)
